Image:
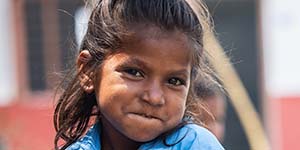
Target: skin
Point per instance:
(217, 106)
(142, 88)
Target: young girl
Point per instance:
(135, 72)
(214, 98)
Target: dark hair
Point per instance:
(107, 27)
(205, 87)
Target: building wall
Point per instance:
(8, 83)
(36, 38)
(280, 23)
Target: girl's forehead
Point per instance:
(156, 43)
(154, 35)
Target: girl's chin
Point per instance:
(142, 137)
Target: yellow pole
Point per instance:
(238, 96)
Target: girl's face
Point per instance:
(142, 89)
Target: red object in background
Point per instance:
(283, 122)
(290, 122)
(27, 126)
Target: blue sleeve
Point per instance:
(200, 138)
(91, 141)
(189, 137)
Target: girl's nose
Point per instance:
(154, 95)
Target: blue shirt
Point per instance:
(189, 137)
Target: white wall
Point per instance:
(281, 46)
(7, 55)
(81, 22)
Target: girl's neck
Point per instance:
(111, 139)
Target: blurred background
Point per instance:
(39, 37)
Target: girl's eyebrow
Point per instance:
(182, 72)
(134, 61)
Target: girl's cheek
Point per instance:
(135, 86)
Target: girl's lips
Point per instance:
(145, 115)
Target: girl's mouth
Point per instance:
(145, 115)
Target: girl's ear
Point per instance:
(85, 76)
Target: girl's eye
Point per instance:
(176, 81)
(134, 72)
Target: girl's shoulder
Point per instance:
(199, 136)
(90, 141)
(190, 136)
